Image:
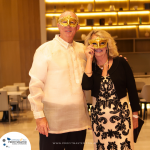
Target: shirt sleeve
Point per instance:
(38, 73)
(131, 87)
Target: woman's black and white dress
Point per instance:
(111, 119)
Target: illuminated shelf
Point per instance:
(133, 12)
(144, 26)
(50, 14)
(68, 1)
(105, 27)
(130, 37)
(111, 0)
(147, 38)
(95, 13)
(97, 27)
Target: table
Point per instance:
(141, 76)
(24, 88)
(5, 113)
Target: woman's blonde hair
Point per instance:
(113, 52)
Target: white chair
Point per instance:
(88, 100)
(24, 96)
(139, 85)
(4, 103)
(14, 100)
(145, 97)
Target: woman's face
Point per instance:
(101, 50)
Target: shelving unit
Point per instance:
(130, 38)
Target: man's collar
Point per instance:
(62, 42)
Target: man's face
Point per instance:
(68, 21)
(68, 26)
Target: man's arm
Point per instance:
(38, 73)
(42, 126)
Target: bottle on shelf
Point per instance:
(54, 8)
(146, 34)
(135, 7)
(81, 8)
(109, 22)
(75, 10)
(140, 20)
(90, 7)
(112, 7)
(64, 8)
(83, 37)
(54, 22)
(102, 21)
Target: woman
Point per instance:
(109, 78)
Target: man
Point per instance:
(56, 95)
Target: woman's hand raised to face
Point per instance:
(89, 52)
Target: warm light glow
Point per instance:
(144, 26)
(96, 14)
(66, 1)
(50, 15)
(81, 28)
(148, 106)
(140, 0)
(53, 29)
(114, 27)
(85, 28)
(90, 28)
(85, 14)
(133, 12)
(132, 23)
(111, 0)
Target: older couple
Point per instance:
(57, 99)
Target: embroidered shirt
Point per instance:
(55, 86)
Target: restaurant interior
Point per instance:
(26, 24)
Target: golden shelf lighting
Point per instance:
(81, 28)
(90, 28)
(82, 1)
(140, 0)
(102, 13)
(84, 14)
(111, 0)
(133, 12)
(115, 27)
(68, 1)
(144, 26)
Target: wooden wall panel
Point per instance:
(32, 19)
(5, 19)
(9, 20)
(37, 20)
(19, 38)
(14, 20)
(24, 28)
(29, 34)
(27, 52)
(10, 62)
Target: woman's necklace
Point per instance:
(102, 66)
